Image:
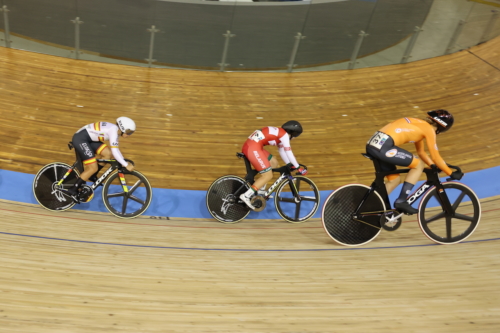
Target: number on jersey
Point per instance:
(257, 136)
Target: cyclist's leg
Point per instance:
(102, 150)
(416, 166)
(393, 155)
(261, 161)
(82, 144)
(392, 180)
(274, 164)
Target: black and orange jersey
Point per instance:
(414, 130)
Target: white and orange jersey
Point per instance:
(415, 130)
(275, 136)
(103, 131)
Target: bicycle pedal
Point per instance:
(72, 197)
(391, 224)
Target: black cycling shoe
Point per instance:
(405, 207)
(94, 178)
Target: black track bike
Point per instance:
(125, 194)
(296, 198)
(355, 214)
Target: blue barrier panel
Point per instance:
(17, 186)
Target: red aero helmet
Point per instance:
(443, 118)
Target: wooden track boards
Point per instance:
(85, 272)
(191, 123)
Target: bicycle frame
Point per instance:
(251, 173)
(114, 166)
(278, 181)
(379, 186)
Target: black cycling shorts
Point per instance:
(381, 146)
(87, 148)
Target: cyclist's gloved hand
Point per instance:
(302, 171)
(457, 175)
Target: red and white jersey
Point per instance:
(275, 136)
(103, 131)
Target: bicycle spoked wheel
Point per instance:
(339, 220)
(47, 192)
(223, 199)
(301, 208)
(453, 227)
(130, 200)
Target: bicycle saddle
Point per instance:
(368, 156)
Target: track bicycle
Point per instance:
(126, 194)
(355, 214)
(296, 198)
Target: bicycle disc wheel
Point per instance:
(46, 190)
(297, 209)
(129, 200)
(224, 203)
(339, 220)
(454, 227)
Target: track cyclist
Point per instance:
(263, 161)
(89, 142)
(384, 145)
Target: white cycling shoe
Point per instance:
(246, 200)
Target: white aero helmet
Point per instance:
(126, 125)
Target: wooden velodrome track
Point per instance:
(90, 272)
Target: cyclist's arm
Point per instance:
(422, 154)
(113, 144)
(285, 151)
(430, 136)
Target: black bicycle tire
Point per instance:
(278, 200)
(337, 215)
(214, 200)
(112, 210)
(424, 222)
(42, 196)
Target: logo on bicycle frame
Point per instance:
(418, 193)
(276, 183)
(104, 175)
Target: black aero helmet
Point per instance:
(292, 127)
(443, 118)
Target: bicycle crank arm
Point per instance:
(259, 203)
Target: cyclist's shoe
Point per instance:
(94, 178)
(246, 200)
(405, 207)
